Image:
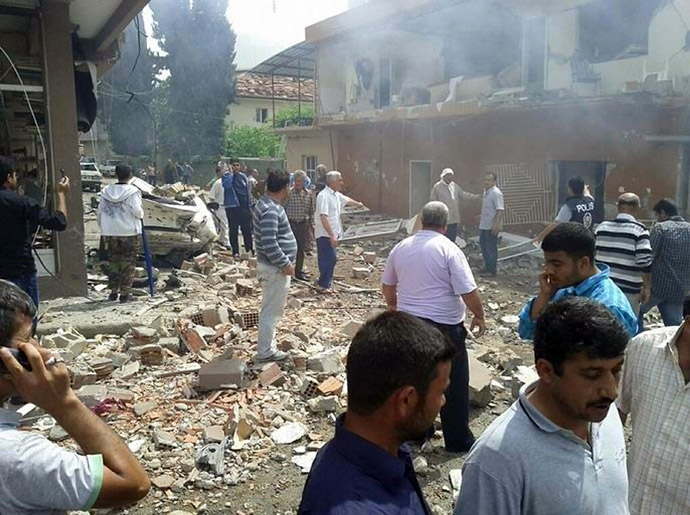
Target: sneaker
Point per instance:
(278, 355)
(113, 296)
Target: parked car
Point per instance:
(108, 168)
(91, 178)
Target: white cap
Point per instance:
(447, 171)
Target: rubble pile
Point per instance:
(181, 388)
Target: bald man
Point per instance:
(623, 244)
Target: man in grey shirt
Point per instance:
(560, 448)
(490, 224)
(37, 476)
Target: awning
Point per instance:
(296, 61)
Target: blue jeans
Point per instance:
(671, 312)
(28, 284)
(327, 257)
(489, 245)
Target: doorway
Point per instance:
(420, 185)
(594, 174)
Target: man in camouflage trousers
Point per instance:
(120, 215)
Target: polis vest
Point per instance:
(582, 210)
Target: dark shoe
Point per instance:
(113, 296)
(125, 298)
(302, 277)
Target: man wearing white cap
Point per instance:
(451, 195)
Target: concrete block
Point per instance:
(64, 340)
(121, 394)
(142, 408)
(324, 404)
(358, 251)
(360, 272)
(327, 362)
(309, 388)
(163, 439)
(212, 316)
(214, 434)
(130, 370)
(244, 287)
(82, 375)
(480, 383)
(218, 373)
(369, 257)
(350, 329)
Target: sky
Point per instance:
(261, 32)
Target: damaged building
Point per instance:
(533, 91)
(54, 52)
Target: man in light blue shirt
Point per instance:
(570, 270)
(559, 449)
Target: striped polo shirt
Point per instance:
(275, 243)
(623, 244)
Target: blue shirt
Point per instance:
(237, 190)
(599, 287)
(352, 476)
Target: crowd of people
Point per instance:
(560, 448)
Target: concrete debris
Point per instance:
(480, 382)
(222, 374)
(289, 433)
(174, 374)
(327, 362)
(324, 404)
(523, 376)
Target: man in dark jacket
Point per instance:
(238, 202)
(21, 217)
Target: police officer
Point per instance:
(578, 207)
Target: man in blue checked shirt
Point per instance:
(570, 270)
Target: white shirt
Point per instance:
(330, 203)
(656, 396)
(218, 193)
(430, 273)
(120, 210)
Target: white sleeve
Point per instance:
(43, 475)
(321, 204)
(136, 204)
(461, 276)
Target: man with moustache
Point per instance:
(398, 368)
(560, 447)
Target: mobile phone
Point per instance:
(62, 172)
(19, 356)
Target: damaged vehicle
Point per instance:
(177, 222)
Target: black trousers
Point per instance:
(240, 217)
(452, 232)
(455, 414)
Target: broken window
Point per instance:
(615, 29)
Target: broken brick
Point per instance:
(272, 375)
(331, 386)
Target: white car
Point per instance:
(91, 178)
(109, 167)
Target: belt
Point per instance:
(298, 221)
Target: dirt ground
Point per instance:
(274, 486)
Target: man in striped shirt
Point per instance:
(623, 244)
(276, 251)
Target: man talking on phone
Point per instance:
(429, 277)
(21, 217)
(570, 270)
(37, 475)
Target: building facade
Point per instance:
(533, 91)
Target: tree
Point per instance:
(123, 114)
(244, 141)
(295, 115)
(200, 51)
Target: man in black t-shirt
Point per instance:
(21, 217)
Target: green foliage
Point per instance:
(244, 141)
(200, 51)
(295, 116)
